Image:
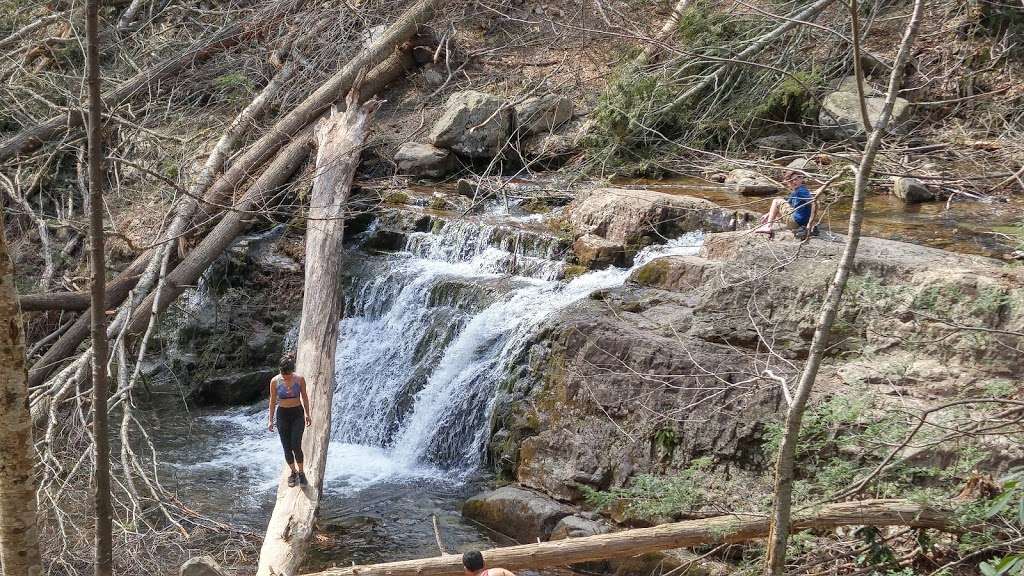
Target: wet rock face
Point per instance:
(516, 512)
(424, 160)
(582, 414)
(234, 389)
(473, 124)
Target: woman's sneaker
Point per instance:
(292, 479)
(302, 479)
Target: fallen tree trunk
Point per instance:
(187, 273)
(317, 103)
(340, 140)
(65, 346)
(79, 301)
(718, 530)
(74, 119)
(257, 197)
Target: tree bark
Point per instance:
(775, 563)
(718, 530)
(97, 260)
(19, 535)
(340, 139)
(32, 138)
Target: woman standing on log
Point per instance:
(290, 405)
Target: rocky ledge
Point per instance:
(683, 364)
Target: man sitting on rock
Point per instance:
(473, 562)
(796, 210)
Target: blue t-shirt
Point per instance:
(800, 199)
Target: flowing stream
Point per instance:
(429, 333)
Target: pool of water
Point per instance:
(225, 465)
(968, 227)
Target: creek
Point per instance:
(430, 332)
(431, 329)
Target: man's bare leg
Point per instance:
(773, 216)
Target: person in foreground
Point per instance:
(473, 562)
(796, 210)
(289, 406)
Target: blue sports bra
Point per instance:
(286, 392)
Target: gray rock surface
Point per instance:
(424, 160)
(542, 114)
(780, 144)
(625, 216)
(516, 512)
(840, 115)
(751, 183)
(803, 165)
(577, 527)
(473, 124)
(677, 273)
(911, 190)
(578, 413)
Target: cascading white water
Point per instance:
(428, 336)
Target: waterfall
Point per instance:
(425, 344)
(429, 333)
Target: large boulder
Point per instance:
(576, 414)
(804, 165)
(677, 273)
(840, 115)
(751, 183)
(594, 252)
(911, 190)
(542, 114)
(578, 527)
(516, 512)
(473, 124)
(626, 216)
(424, 160)
(201, 566)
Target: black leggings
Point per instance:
(291, 422)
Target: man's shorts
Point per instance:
(786, 212)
